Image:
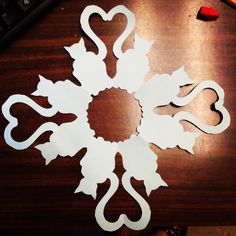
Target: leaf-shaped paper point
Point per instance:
(142, 45)
(48, 151)
(77, 50)
(43, 88)
(88, 187)
(187, 141)
(181, 77)
(153, 182)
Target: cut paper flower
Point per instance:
(139, 160)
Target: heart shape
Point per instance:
(219, 107)
(102, 50)
(123, 218)
(13, 121)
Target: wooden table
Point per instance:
(202, 187)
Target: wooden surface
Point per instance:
(202, 187)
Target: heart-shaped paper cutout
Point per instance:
(219, 107)
(13, 121)
(123, 218)
(102, 50)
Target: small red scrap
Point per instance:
(208, 13)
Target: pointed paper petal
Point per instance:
(187, 141)
(88, 187)
(181, 77)
(67, 140)
(140, 162)
(151, 94)
(161, 130)
(153, 182)
(158, 91)
(77, 50)
(69, 98)
(141, 45)
(99, 161)
(64, 96)
(44, 87)
(48, 152)
(132, 66)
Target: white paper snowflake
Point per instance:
(138, 159)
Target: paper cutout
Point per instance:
(99, 162)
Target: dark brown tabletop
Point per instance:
(202, 187)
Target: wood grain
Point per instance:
(202, 187)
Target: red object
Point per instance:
(208, 13)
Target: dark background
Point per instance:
(202, 187)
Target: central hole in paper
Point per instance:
(114, 114)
